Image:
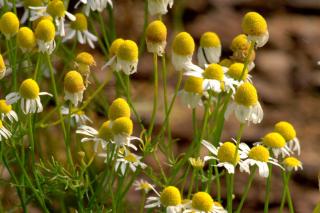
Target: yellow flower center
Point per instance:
(217, 204)
(170, 196)
(73, 82)
(226, 62)
(235, 71)
(122, 125)
(80, 23)
(105, 131)
(56, 8)
(45, 30)
(202, 201)
(26, 38)
(259, 153)
(115, 46)
(2, 64)
(254, 24)
(183, 44)
(286, 130)
(193, 85)
(33, 3)
(29, 89)
(85, 58)
(119, 108)
(4, 107)
(246, 95)
(37, 21)
(240, 42)
(291, 162)
(214, 71)
(196, 163)
(128, 51)
(273, 140)
(9, 24)
(131, 158)
(210, 39)
(156, 32)
(226, 153)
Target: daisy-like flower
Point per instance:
(73, 87)
(83, 62)
(289, 134)
(56, 9)
(259, 156)
(159, 7)
(156, 36)
(7, 112)
(210, 49)
(3, 68)
(196, 163)
(255, 26)
(237, 73)
(142, 185)
(128, 159)
(9, 24)
(170, 198)
(292, 163)
(79, 28)
(240, 46)
(78, 116)
(119, 108)
(26, 39)
(276, 143)
(225, 155)
(29, 96)
(122, 132)
(4, 132)
(94, 5)
(202, 202)
(113, 54)
(101, 137)
(245, 106)
(182, 51)
(192, 92)
(45, 33)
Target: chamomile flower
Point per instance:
(156, 35)
(289, 134)
(45, 33)
(9, 24)
(78, 116)
(26, 40)
(192, 92)
(255, 26)
(56, 9)
(240, 46)
(4, 132)
(209, 50)
(101, 137)
(129, 160)
(259, 156)
(73, 87)
(170, 198)
(7, 112)
(196, 163)
(119, 108)
(182, 51)
(237, 72)
(225, 155)
(276, 143)
(121, 129)
(292, 163)
(113, 53)
(245, 106)
(127, 57)
(79, 28)
(29, 96)
(83, 62)
(202, 202)
(159, 7)
(94, 5)
(3, 68)
(142, 185)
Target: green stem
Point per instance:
(246, 190)
(283, 197)
(143, 199)
(155, 97)
(289, 199)
(229, 178)
(165, 99)
(192, 182)
(36, 70)
(267, 195)
(31, 140)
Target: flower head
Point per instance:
(210, 49)
(115, 46)
(227, 152)
(196, 163)
(183, 48)
(292, 163)
(127, 57)
(143, 185)
(83, 62)
(4, 132)
(276, 143)
(156, 36)
(170, 196)
(237, 72)
(9, 24)
(246, 95)
(26, 39)
(192, 91)
(119, 108)
(29, 89)
(73, 87)
(288, 132)
(45, 33)
(128, 159)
